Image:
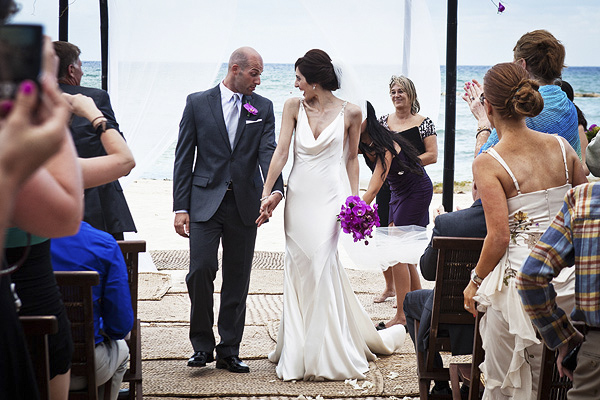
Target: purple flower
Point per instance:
(592, 127)
(251, 109)
(358, 218)
(360, 209)
(500, 7)
(352, 200)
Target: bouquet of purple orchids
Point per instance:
(358, 218)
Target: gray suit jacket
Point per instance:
(203, 135)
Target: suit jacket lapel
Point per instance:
(217, 111)
(242, 121)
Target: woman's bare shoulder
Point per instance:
(353, 111)
(292, 102)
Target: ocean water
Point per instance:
(278, 85)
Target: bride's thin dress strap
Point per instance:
(343, 107)
(492, 152)
(564, 154)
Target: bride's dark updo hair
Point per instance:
(508, 88)
(317, 68)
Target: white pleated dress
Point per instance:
(325, 333)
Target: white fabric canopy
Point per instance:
(160, 52)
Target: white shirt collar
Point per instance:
(226, 93)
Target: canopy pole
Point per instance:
(63, 20)
(450, 121)
(104, 42)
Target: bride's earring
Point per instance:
(314, 87)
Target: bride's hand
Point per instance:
(266, 208)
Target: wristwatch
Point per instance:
(475, 279)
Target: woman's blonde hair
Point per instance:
(408, 87)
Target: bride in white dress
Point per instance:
(325, 333)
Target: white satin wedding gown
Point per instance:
(325, 333)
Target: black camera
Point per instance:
(20, 56)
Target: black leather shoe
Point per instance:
(200, 358)
(123, 394)
(233, 364)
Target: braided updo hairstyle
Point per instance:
(508, 88)
(316, 67)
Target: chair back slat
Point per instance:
(133, 375)
(37, 329)
(76, 290)
(456, 258)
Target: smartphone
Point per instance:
(20, 56)
(570, 360)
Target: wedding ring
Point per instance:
(472, 98)
(466, 306)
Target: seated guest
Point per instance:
(571, 240)
(522, 181)
(105, 205)
(94, 250)
(469, 222)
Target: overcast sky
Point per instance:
(484, 36)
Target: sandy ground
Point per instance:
(150, 202)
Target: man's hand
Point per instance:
(182, 224)
(562, 352)
(439, 211)
(267, 207)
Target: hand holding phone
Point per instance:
(20, 57)
(570, 360)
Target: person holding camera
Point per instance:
(571, 239)
(25, 147)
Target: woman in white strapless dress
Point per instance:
(325, 333)
(522, 181)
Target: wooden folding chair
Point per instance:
(76, 289)
(469, 373)
(133, 375)
(552, 386)
(456, 258)
(37, 329)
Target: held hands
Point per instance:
(267, 206)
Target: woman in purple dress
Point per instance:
(394, 159)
